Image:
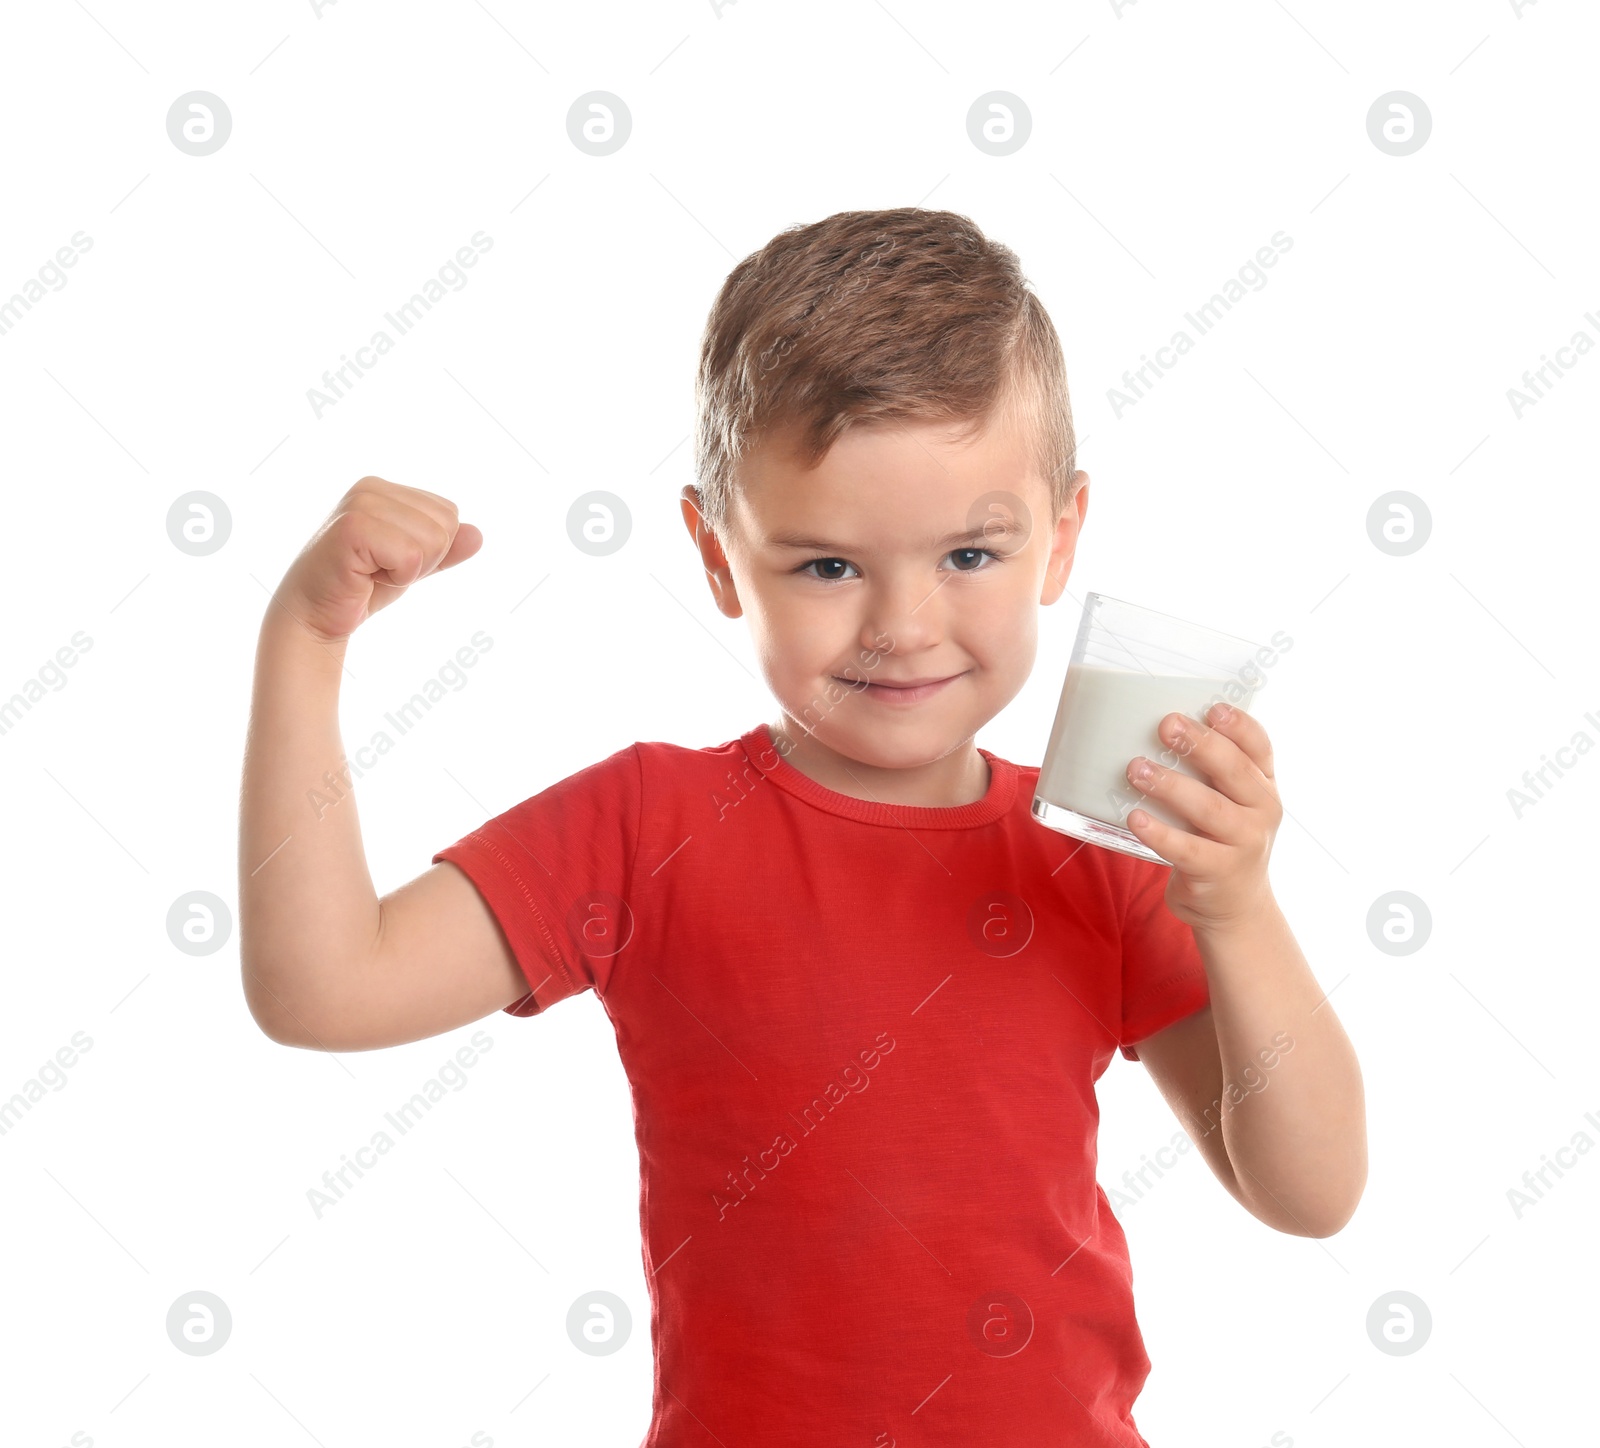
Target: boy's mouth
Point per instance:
(905, 691)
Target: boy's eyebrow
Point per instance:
(995, 530)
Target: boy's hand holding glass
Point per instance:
(1219, 874)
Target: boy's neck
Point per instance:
(957, 778)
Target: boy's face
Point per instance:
(873, 569)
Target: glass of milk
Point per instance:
(1130, 668)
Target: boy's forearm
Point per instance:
(307, 908)
(1297, 1137)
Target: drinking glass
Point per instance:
(1131, 667)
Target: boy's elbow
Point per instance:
(1327, 1219)
(278, 1022)
(1326, 1226)
(278, 1030)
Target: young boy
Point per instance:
(862, 998)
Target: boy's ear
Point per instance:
(712, 558)
(1065, 542)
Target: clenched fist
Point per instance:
(380, 540)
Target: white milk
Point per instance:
(1106, 718)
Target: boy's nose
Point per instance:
(909, 611)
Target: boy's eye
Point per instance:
(971, 563)
(825, 563)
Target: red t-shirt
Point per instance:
(862, 1041)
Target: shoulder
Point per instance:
(664, 759)
(670, 762)
(677, 777)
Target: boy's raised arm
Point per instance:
(326, 964)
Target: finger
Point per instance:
(1189, 853)
(389, 553)
(1219, 758)
(460, 540)
(431, 533)
(1245, 731)
(416, 495)
(1196, 803)
(438, 508)
(442, 510)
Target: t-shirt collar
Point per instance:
(765, 756)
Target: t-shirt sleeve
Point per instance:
(556, 871)
(1163, 976)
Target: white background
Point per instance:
(1169, 142)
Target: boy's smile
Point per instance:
(902, 692)
(893, 594)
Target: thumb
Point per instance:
(468, 540)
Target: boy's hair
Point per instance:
(871, 316)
